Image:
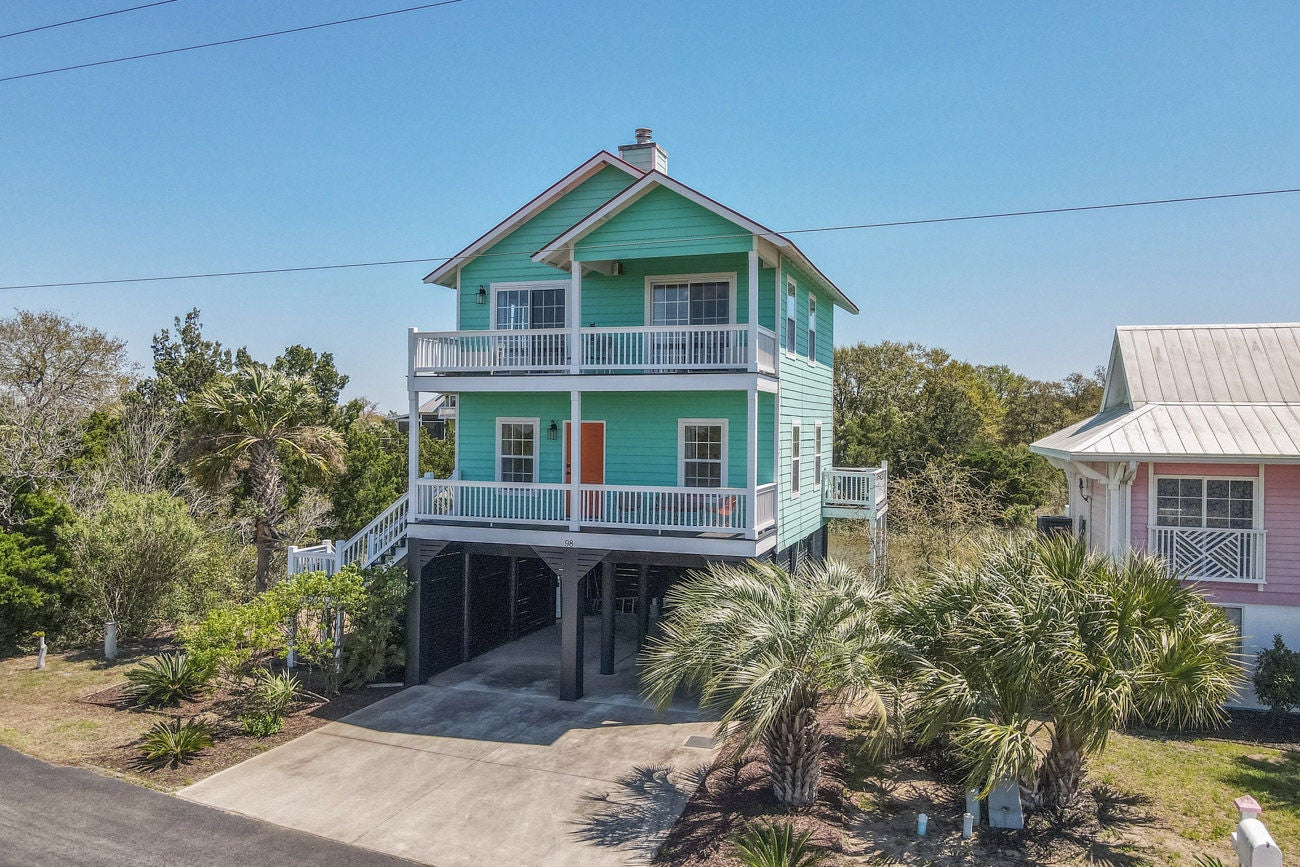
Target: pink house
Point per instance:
(1195, 454)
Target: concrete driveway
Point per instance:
(485, 766)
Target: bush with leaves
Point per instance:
(235, 639)
(175, 742)
(376, 639)
(775, 844)
(167, 679)
(1277, 677)
(270, 698)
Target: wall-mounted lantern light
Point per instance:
(481, 298)
(553, 432)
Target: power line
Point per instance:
(619, 244)
(87, 18)
(231, 41)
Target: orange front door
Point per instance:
(593, 461)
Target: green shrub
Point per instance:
(165, 680)
(175, 742)
(1209, 861)
(260, 724)
(773, 844)
(376, 639)
(1277, 677)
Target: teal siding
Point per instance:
(767, 297)
(805, 397)
(510, 259)
(640, 431)
(658, 221)
(612, 301)
(766, 423)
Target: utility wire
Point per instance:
(87, 18)
(231, 41)
(619, 244)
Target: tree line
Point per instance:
(150, 497)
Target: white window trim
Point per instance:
(529, 285)
(729, 277)
(791, 340)
(819, 465)
(537, 444)
(1241, 631)
(681, 446)
(796, 478)
(1257, 507)
(812, 328)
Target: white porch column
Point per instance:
(574, 310)
(575, 459)
(751, 461)
(412, 449)
(753, 308)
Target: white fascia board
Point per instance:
(1096, 457)
(446, 271)
(556, 252)
(651, 544)
(632, 382)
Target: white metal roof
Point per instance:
(1208, 392)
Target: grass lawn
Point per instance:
(72, 713)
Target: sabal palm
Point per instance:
(250, 426)
(770, 650)
(1043, 634)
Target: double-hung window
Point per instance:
(812, 330)
(791, 290)
(703, 461)
(517, 450)
(1212, 503)
(817, 454)
(796, 434)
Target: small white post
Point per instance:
(40, 651)
(921, 821)
(291, 559)
(973, 804)
(967, 826)
(291, 658)
(110, 640)
(338, 554)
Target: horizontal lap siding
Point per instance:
(640, 431)
(510, 259)
(805, 396)
(621, 301)
(1141, 508)
(662, 220)
(1282, 521)
(766, 424)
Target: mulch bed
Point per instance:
(230, 745)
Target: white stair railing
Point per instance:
(373, 542)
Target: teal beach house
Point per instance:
(643, 383)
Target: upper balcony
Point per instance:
(630, 349)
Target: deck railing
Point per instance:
(633, 507)
(856, 488)
(766, 507)
(380, 537)
(1211, 554)
(634, 349)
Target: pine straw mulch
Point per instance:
(866, 814)
(220, 710)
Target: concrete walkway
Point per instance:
(51, 815)
(485, 766)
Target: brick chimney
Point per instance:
(645, 154)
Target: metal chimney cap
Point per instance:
(644, 135)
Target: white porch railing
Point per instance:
(866, 489)
(766, 506)
(633, 507)
(1211, 554)
(646, 349)
(382, 535)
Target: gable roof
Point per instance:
(445, 274)
(554, 253)
(1194, 392)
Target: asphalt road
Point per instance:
(67, 816)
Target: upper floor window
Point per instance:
(517, 450)
(812, 328)
(796, 434)
(790, 291)
(703, 444)
(1205, 502)
(529, 305)
(683, 301)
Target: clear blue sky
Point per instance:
(409, 136)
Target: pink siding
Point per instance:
(1281, 521)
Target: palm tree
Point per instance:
(1043, 637)
(770, 650)
(251, 427)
